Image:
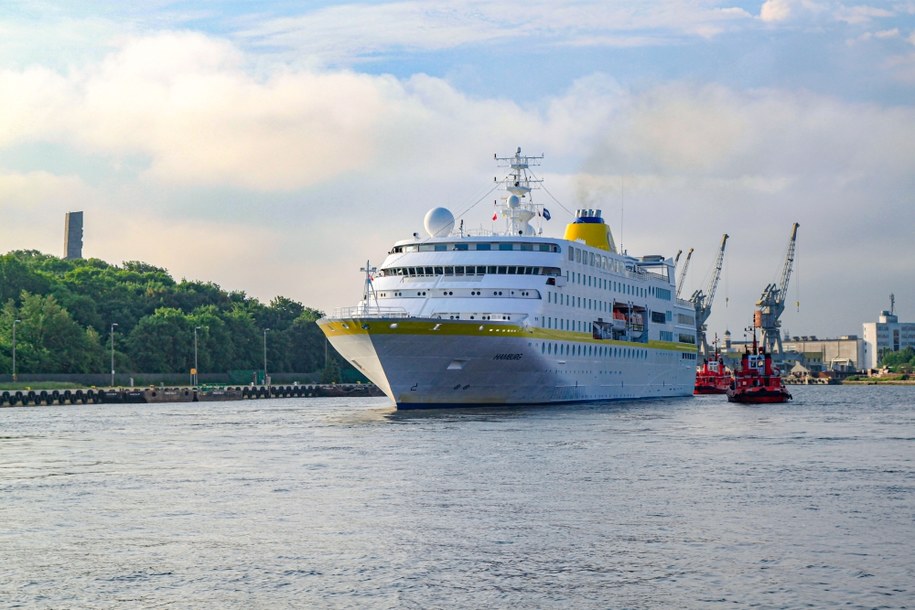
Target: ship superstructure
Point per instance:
(512, 317)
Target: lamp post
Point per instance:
(112, 352)
(15, 322)
(265, 356)
(194, 378)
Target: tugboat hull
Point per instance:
(762, 396)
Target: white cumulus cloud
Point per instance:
(775, 10)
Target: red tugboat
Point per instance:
(757, 381)
(713, 377)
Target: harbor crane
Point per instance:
(702, 301)
(772, 302)
(682, 275)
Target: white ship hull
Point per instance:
(464, 363)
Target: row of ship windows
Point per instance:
(466, 246)
(470, 270)
(450, 293)
(606, 351)
(606, 284)
(571, 300)
(484, 316)
(574, 277)
(574, 325)
(585, 326)
(594, 259)
(577, 255)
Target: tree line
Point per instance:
(902, 361)
(67, 313)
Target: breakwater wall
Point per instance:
(25, 398)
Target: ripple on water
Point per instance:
(348, 503)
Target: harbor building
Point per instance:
(844, 354)
(73, 235)
(887, 334)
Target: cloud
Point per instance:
(353, 33)
(282, 179)
(36, 189)
(860, 14)
(184, 103)
(773, 11)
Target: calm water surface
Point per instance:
(346, 503)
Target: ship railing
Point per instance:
(649, 274)
(361, 311)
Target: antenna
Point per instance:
(622, 208)
(369, 288)
(892, 304)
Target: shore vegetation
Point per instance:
(71, 315)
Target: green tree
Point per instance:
(308, 347)
(899, 361)
(162, 342)
(16, 277)
(93, 294)
(49, 341)
(246, 338)
(189, 295)
(331, 373)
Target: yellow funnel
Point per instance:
(589, 227)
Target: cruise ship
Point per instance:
(508, 317)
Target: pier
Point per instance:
(29, 398)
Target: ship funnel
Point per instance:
(589, 227)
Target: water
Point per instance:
(345, 503)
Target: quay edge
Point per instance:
(24, 398)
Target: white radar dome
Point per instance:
(514, 201)
(439, 222)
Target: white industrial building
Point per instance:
(887, 334)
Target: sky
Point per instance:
(275, 147)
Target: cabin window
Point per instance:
(571, 254)
(505, 246)
(484, 246)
